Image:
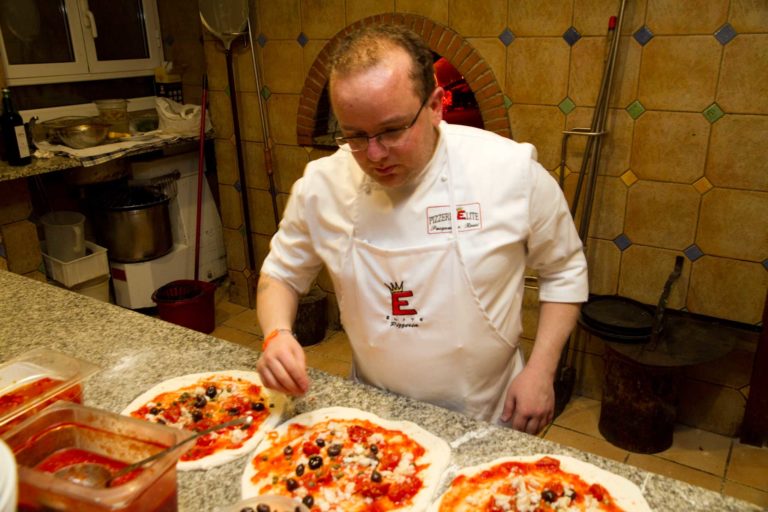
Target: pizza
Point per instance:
(539, 483)
(199, 401)
(343, 459)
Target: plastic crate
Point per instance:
(70, 273)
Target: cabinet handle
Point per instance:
(90, 20)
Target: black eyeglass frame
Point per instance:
(341, 141)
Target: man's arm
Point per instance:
(530, 400)
(282, 366)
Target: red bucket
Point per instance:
(187, 303)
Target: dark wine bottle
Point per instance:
(14, 135)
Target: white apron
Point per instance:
(417, 327)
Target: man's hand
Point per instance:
(530, 402)
(282, 366)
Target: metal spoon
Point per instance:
(94, 475)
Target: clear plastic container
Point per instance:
(114, 112)
(37, 378)
(55, 436)
(275, 502)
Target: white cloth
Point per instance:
(513, 215)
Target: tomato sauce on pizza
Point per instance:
(206, 403)
(538, 486)
(345, 464)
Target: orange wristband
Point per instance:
(272, 335)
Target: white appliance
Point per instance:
(134, 283)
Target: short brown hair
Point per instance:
(365, 47)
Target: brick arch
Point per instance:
(442, 40)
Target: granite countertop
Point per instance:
(133, 351)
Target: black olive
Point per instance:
(197, 415)
(548, 496)
(211, 391)
(297, 509)
(161, 421)
(334, 450)
(288, 450)
(233, 411)
(155, 410)
(374, 448)
(291, 484)
(320, 442)
(263, 507)
(246, 509)
(300, 470)
(315, 462)
(257, 406)
(308, 500)
(376, 476)
(200, 401)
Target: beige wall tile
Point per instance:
(743, 87)
(322, 19)
(231, 207)
(617, 144)
(626, 75)
(290, 162)
(530, 316)
(16, 204)
(734, 224)
(216, 65)
(732, 370)
(310, 52)
(226, 161)
(726, 288)
(662, 214)
(686, 16)
(250, 120)
(674, 470)
(679, 72)
(242, 66)
(738, 152)
(749, 15)
(221, 114)
(282, 110)
(590, 371)
(494, 53)
(587, 65)
(261, 248)
(283, 72)
(670, 146)
(541, 126)
(644, 271)
(710, 407)
(435, 10)
(603, 259)
(578, 118)
(255, 170)
(478, 17)
(262, 216)
(749, 465)
(235, 248)
(588, 343)
(240, 291)
(609, 203)
(539, 18)
(279, 20)
(584, 442)
(590, 17)
(532, 62)
(363, 8)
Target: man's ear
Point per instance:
(435, 105)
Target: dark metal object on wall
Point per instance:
(754, 429)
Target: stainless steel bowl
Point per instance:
(78, 132)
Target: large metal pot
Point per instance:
(135, 225)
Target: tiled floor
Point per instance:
(702, 458)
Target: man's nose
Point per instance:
(376, 150)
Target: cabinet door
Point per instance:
(41, 38)
(121, 35)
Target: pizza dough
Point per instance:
(356, 460)
(275, 403)
(624, 493)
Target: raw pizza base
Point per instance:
(625, 494)
(437, 451)
(224, 456)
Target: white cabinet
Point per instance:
(49, 41)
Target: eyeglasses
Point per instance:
(390, 138)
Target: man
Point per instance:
(426, 229)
